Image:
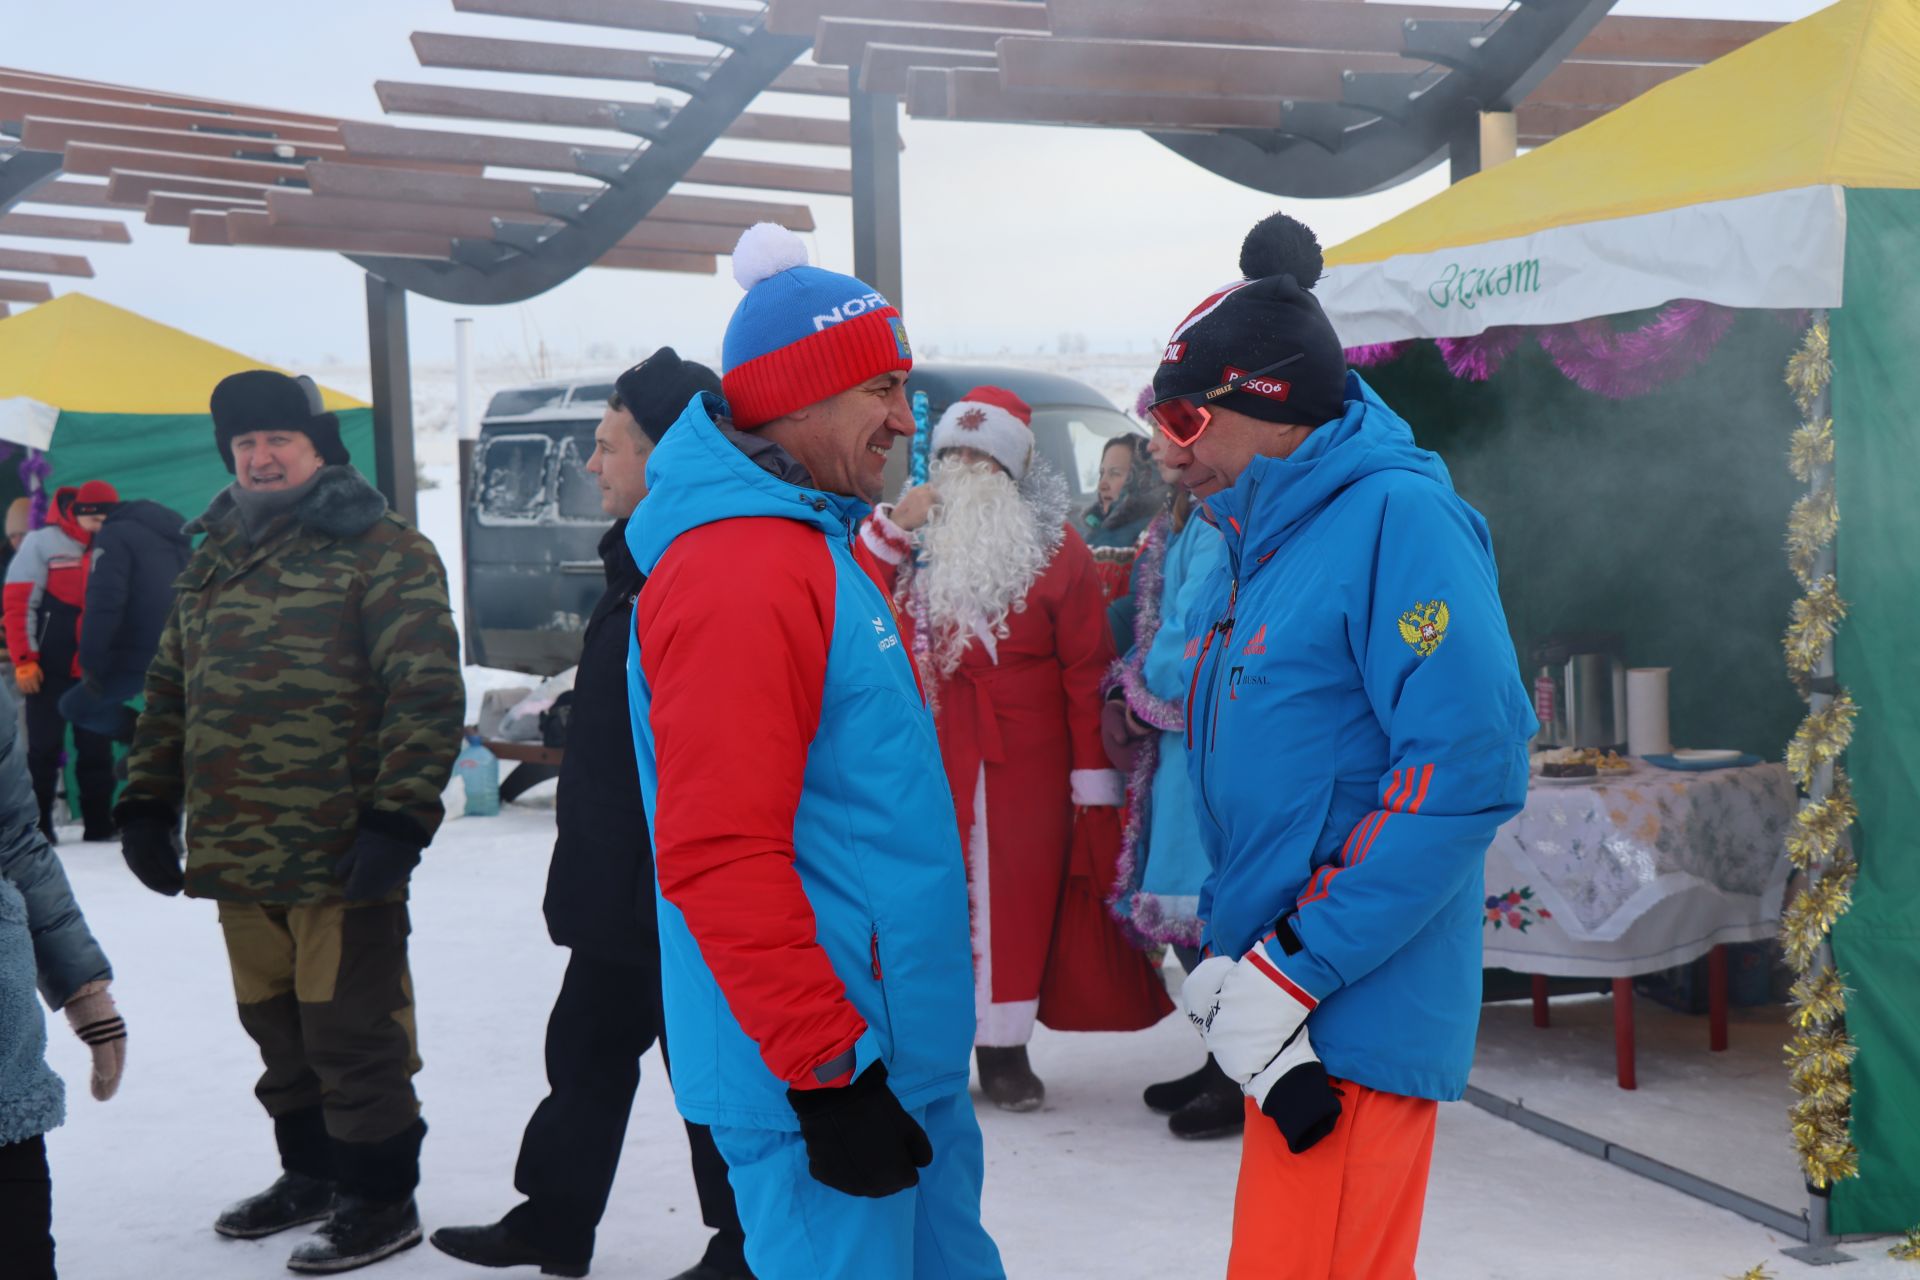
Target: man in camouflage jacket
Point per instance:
(302, 714)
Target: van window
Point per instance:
(1086, 431)
(594, 393)
(511, 404)
(513, 478)
(579, 493)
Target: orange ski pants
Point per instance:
(1348, 1208)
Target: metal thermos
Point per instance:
(1589, 698)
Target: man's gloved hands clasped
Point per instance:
(379, 862)
(1254, 1023)
(150, 842)
(860, 1140)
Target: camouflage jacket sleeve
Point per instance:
(407, 628)
(159, 739)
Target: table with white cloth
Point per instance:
(1637, 872)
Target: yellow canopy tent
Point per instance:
(1725, 184)
(109, 394)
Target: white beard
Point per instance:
(980, 553)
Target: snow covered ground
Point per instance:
(1091, 1187)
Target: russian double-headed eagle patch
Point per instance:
(1424, 626)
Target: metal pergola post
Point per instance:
(876, 191)
(393, 469)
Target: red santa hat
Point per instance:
(993, 420)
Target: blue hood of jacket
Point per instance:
(698, 475)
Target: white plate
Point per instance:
(1605, 775)
(1700, 756)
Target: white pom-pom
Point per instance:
(766, 249)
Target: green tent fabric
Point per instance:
(166, 458)
(1876, 415)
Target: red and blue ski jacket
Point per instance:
(813, 901)
(1357, 732)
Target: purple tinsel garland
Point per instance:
(1140, 914)
(1591, 353)
(34, 472)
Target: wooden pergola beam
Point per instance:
(173, 209)
(131, 188)
(25, 291)
(660, 17)
(56, 135)
(91, 159)
(39, 82)
(596, 62)
(704, 264)
(1055, 65)
(17, 104)
(1537, 122)
(303, 209)
(514, 107)
(1340, 24)
(802, 17)
(35, 263)
(513, 198)
(978, 95)
(884, 67)
(245, 227)
(681, 237)
(66, 191)
(842, 42)
(5, 311)
(41, 227)
(1602, 84)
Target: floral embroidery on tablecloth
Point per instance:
(1514, 910)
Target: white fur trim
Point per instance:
(889, 543)
(766, 249)
(1007, 1024)
(978, 904)
(1098, 787)
(997, 433)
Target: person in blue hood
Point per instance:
(816, 961)
(1356, 732)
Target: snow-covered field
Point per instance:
(1092, 1186)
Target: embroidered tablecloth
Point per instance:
(1633, 874)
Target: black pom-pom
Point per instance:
(1279, 244)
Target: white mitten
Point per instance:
(1201, 991)
(1255, 1014)
(93, 1017)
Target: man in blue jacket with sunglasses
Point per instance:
(1356, 733)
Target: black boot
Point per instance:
(1007, 1078)
(293, 1200)
(356, 1233)
(499, 1245)
(304, 1192)
(1169, 1096)
(725, 1259)
(1219, 1111)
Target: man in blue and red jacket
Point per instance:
(813, 907)
(1356, 732)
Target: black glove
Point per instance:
(1299, 1097)
(150, 842)
(380, 860)
(860, 1140)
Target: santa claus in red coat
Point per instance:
(1003, 605)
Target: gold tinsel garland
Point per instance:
(1820, 1054)
(1757, 1272)
(1907, 1248)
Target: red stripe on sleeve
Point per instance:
(1280, 979)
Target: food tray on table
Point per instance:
(1575, 767)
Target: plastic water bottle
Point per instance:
(479, 771)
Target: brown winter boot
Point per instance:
(1007, 1079)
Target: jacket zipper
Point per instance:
(1224, 630)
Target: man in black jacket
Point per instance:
(600, 903)
(137, 554)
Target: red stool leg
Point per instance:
(1623, 1031)
(1540, 1000)
(1717, 999)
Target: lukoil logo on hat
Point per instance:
(802, 333)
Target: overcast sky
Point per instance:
(1013, 235)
